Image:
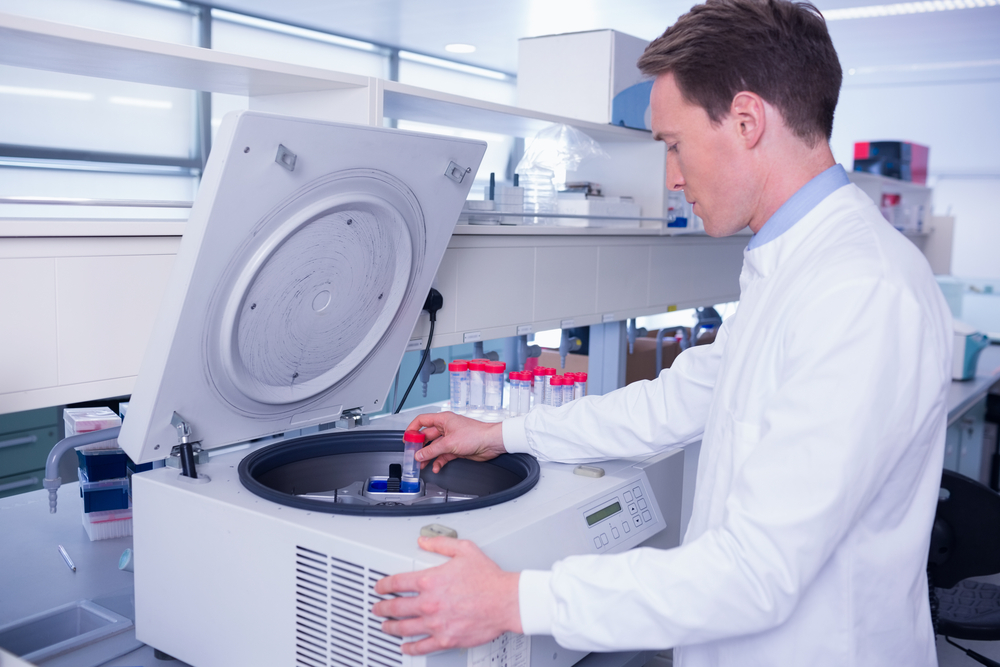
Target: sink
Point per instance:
(58, 631)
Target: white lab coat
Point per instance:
(821, 409)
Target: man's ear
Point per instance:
(749, 116)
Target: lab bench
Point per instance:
(34, 578)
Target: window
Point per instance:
(84, 137)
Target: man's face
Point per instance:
(703, 160)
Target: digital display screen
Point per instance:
(601, 514)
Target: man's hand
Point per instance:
(452, 436)
(466, 602)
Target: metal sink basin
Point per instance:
(58, 631)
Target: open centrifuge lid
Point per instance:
(303, 268)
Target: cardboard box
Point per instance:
(586, 75)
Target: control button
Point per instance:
(633, 509)
(646, 516)
(604, 538)
(597, 542)
(614, 533)
(637, 491)
(628, 496)
(626, 527)
(642, 503)
(637, 521)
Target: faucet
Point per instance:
(52, 480)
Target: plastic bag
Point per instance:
(559, 146)
(555, 147)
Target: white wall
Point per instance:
(959, 121)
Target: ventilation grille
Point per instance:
(334, 625)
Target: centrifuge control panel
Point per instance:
(621, 515)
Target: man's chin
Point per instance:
(720, 231)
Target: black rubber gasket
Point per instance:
(258, 463)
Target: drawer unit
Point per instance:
(26, 450)
(25, 441)
(21, 483)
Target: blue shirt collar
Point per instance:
(799, 204)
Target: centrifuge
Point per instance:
(304, 266)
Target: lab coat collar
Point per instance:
(763, 260)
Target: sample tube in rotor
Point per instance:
(413, 441)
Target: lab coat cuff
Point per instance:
(536, 602)
(515, 436)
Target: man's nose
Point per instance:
(675, 180)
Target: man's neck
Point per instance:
(787, 174)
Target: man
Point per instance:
(820, 406)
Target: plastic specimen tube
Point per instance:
(494, 385)
(579, 385)
(538, 389)
(556, 390)
(477, 379)
(514, 404)
(412, 442)
(459, 383)
(524, 393)
(547, 382)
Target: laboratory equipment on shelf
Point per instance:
(579, 385)
(459, 384)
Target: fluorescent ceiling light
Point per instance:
(448, 64)
(147, 104)
(169, 4)
(460, 48)
(924, 67)
(45, 92)
(901, 8)
(274, 26)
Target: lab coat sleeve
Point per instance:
(862, 377)
(641, 418)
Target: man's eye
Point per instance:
(672, 148)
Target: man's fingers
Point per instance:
(432, 433)
(397, 608)
(441, 460)
(423, 646)
(446, 546)
(431, 451)
(405, 627)
(404, 582)
(423, 421)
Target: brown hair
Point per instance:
(777, 49)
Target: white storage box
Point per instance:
(581, 74)
(605, 207)
(84, 420)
